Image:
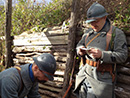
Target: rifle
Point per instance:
(71, 78)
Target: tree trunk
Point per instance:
(9, 61)
(71, 44)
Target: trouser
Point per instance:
(98, 86)
(85, 90)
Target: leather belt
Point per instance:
(102, 67)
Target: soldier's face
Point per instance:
(38, 74)
(98, 24)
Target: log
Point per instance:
(61, 48)
(20, 61)
(58, 79)
(48, 93)
(32, 49)
(57, 32)
(53, 84)
(122, 93)
(60, 59)
(61, 65)
(128, 40)
(23, 59)
(123, 70)
(60, 54)
(49, 88)
(123, 79)
(124, 86)
(59, 73)
(127, 63)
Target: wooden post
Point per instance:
(8, 39)
(71, 45)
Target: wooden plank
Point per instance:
(58, 79)
(27, 54)
(127, 63)
(32, 49)
(21, 61)
(48, 93)
(43, 49)
(57, 58)
(41, 40)
(59, 73)
(128, 40)
(49, 88)
(58, 32)
(55, 30)
(61, 59)
(61, 65)
(54, 84)
(58, 53)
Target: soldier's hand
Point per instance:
(80, 51)
(96, 53)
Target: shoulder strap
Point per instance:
(110, 38)
(91, 39)
(86, 38)
(21, 89)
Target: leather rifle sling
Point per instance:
(108, 39)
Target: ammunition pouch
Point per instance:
(104, 67)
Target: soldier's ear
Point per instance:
(35, 67)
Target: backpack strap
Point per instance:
(21, 89)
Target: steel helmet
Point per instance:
(95, 11)
(46, 63)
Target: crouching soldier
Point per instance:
(103, 45)
(18, 82)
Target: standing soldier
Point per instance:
(22, 81)
(103, 45)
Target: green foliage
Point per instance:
(1, 67)
(2, 20)
(122, 16)
(27, 15)
(2, 51)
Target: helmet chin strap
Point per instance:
(47, 73)
(41, 81)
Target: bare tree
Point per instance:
(9, 61)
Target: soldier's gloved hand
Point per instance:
(96, 53)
